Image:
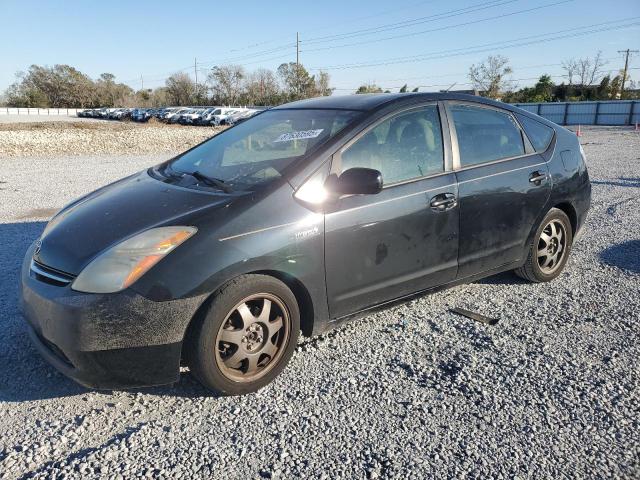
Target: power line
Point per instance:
(406, 23)
(444, 75)
(395, 9)
(332, 25)
(159, 79)
(446, 27)
(457, 83)
(261, 54)
(162, 76)
(205, 71)
(517, 42)
(411, 22)
(288, 46)
(523, 41)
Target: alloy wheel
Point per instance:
(252, 337)
(552, 246)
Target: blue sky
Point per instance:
(153, 39)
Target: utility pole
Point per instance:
(142, 82)
(195, 71)
(297, 63)
(626, 67)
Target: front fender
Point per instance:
(294, 250)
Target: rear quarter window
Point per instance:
(539, 134)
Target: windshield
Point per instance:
(257, 151)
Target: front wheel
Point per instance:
(246, 336)
(549, 251)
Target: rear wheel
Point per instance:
(549, 251)
(246, 336)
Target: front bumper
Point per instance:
(105, 340)
(113, 369)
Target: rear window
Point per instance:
(539, 134)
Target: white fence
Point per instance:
(39, 111)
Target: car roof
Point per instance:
(372, 101)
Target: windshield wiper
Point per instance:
(211, 181)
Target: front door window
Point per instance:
(402, 148)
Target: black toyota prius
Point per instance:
(307, 214)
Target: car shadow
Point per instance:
(24, 375)
(625, 256)
(504, 278)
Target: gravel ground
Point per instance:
(97, 137)
(12, 118)
(551, 391)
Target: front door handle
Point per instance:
(443, 202)
(537, 177)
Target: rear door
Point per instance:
(404, 239)
(503, 185)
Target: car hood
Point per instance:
(85, 228)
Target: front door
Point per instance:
(404, 239)
(503, 186)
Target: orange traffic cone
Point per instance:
(579, 131)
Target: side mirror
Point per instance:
(356, 181)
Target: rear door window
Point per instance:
(539, 134)
(485, 134)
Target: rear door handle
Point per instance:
(537, 177)
(443, 202)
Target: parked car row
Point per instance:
(183, 115)
(206, 115)
(107, 113)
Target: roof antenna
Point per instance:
(452, 85)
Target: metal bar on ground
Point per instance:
(474, 316)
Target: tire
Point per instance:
(553, 240)
(236, 346)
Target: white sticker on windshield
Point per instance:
(287, 137)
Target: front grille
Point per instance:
(50, 275)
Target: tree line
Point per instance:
(63, 86)
(585, 80)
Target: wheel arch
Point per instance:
(564, 206)
(570, 211)
(305, 303)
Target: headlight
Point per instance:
(121, 265)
